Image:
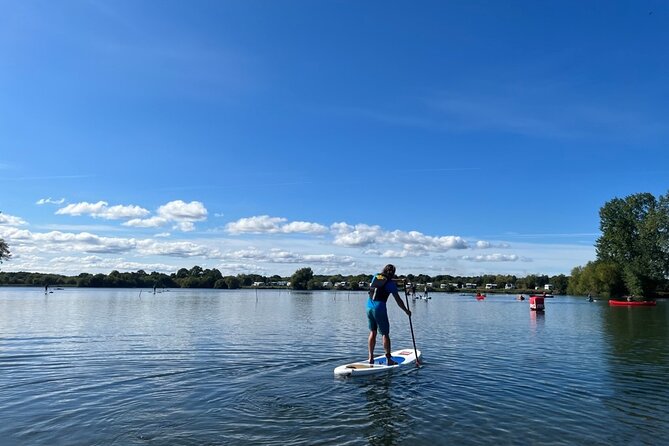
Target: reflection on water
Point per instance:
(255, 367)
(536, 320)
(384, 413)
(638, 366)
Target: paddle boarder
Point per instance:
(382, 286)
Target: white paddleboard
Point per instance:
(403, 358)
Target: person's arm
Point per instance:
(400, 302)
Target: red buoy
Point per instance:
(537, 303)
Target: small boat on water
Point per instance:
(632, 303)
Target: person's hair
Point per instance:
(389, 271)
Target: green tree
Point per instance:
(315, 284)
(4, 251)
(531, 282)
(300, 278)
(336, 279)
(209, 277)
(84, 280)
(422, 278)
(191, 282)
(195, 271)
(248, 279)
(560, 283)
(97, 281)
(220, 284)
(635, 238)
(598, 278)
(232, 282)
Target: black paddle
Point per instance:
(413, 338)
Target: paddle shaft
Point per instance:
(413, 338)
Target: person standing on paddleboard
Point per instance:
(381, 287)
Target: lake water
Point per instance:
(207, 367)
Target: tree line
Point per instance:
(632, 259)
(196, 277)
(302, 279)
(305, 279)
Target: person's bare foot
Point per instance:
(389, 360)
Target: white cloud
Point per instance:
(304, 228)
(394, 254)
(85, 242)
(180, 249)
(153, 222)
(184, 226)
(264, 224)
(82, 208)
(481, 244)
(10, 220)
(358, 235)
(10, 233)
(255, 225)
(179, 210)
(101, 209)
(88, 263)
(119, 212)
(492, 258)
(89, 260)
(181, 214)
(287, 257)
(412, 241)
(49, 200)
(56, 241)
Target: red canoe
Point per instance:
(624, 303)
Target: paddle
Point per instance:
(413, 338)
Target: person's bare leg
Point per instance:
(386, 347)
(371, 344)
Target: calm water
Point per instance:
(111, 367)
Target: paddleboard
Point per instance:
(403, 358)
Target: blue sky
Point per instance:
(460, 138)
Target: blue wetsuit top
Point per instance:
(389, 288)
(377, 315)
